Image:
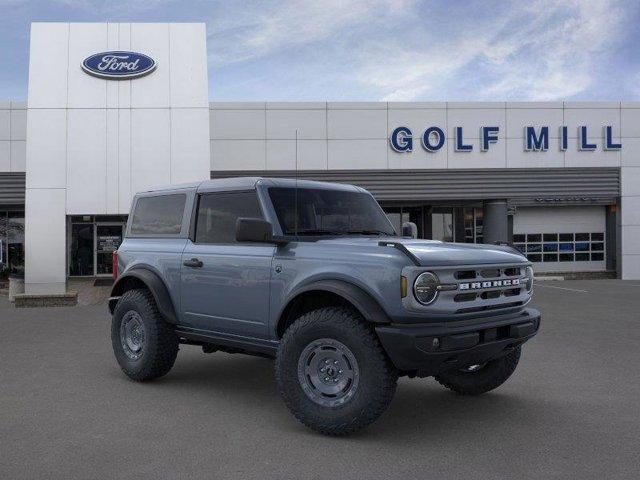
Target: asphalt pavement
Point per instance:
(571, 410)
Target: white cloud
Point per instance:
(260, 29)
(545, 50)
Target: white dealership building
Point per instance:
(116, 108)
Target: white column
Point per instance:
(45, 241)
(630, 224)
(93, 143)
(630, 199)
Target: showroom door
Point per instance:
(108, 238)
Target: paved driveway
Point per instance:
(572, 409)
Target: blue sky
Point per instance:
(361, 50)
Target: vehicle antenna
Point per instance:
(295, 201)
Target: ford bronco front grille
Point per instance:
(477, 288)
(496, 284)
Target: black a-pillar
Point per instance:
(495, 222)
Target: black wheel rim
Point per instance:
(328, 372)
(132, 334)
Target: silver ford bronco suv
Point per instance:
(314, 275)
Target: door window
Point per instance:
(400, 215)
(81, 251)
(108, 239)
(218, 212)
(442, 224)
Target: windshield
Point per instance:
(328, 212)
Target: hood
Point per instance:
(434, 253)
(437, 254)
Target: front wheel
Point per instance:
(478, 379)
(332, 372)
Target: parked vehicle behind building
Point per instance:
(314, 275)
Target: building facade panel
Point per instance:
(472, 119)
(47, 148)
(124, 188)
(48, 65)
(5, 156)
(150, 148)
(630, 154)
(18, 124)
(301, 155)
(494, 157)
(418, 158)
(237, 124)
(86, 181)
(189, 144)
(518, 118)
(630, 122)
(5, 123)
(124, 43)
(18, 156)
(593, 116)
(517, 157)
(282, 124)
(45, 241)
(13, 130)
(630, 213)
(234, 154)
(188, 56)
(574, 157)
(365, 124)
(357, 154)
(83, 91)
(152, 91)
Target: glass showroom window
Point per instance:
(473, 219)
(11, 243)
(561, 247)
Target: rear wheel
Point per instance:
(145, 346)
(482, 378)
(332, 372)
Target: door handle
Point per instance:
(194, 263)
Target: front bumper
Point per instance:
(430, 349)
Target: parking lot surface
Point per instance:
(571, 410)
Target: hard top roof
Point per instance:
(247, 183)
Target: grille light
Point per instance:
(529, 278)
(425, 288)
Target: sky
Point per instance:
(377, 50)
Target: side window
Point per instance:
(218, 212)
(158, 215)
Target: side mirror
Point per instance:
(253, 230)
(409, 229)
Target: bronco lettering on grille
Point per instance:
(509, 282)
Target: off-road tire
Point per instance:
(487, 378)
(160, 347)
(377, 376)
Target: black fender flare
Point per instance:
(368, 307)
(155, 285)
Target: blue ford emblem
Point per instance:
(118, 65)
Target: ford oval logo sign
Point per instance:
(118, 65)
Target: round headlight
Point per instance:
(425, 288)
(529, 278)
